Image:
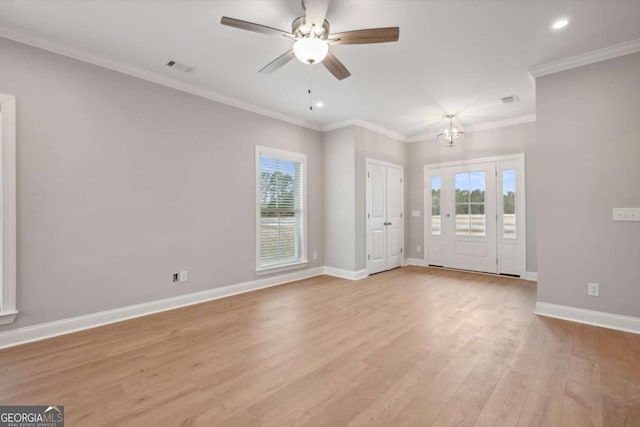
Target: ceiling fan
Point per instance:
(311, 37)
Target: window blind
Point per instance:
(281, 213)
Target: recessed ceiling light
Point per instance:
(319, 104)
(560, 23)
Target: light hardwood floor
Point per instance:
(410, 347)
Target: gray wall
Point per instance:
(589, 145)
(494, 142)
(369, 144)
(121, 182)
(339, 198)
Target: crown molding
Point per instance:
(338, 125)
(610, 52)
(380, 130)
(366, 125)
(173, 83)
(153, 77)
(424, 137)
(502, 123)
(480, 127)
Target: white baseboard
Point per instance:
(589, 317)
(532, 275)
(415, 261)
(88, 321)
(345, 274)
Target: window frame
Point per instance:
(274, 153)
(8, 308)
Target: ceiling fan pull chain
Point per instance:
(310, 87)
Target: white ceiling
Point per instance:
(452, 57)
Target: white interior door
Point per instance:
(376, 218)
(395, 221)
(469, 227)
(385, 218)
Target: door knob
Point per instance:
(448, 215)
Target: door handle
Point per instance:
(448, 215)
(387, 223)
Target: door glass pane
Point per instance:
(461, 181)
(470, 204)
(435, 205)
(478, 224)
(509, 203)
(462, 187)
(462, 219)
(477, 187)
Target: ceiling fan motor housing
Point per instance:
(301, 30)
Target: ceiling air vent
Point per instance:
(509, 99)
(179, 66)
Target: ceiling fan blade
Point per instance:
(256, 28)
(278, 63)
(315, 11)
(371, 35)
(335, 67)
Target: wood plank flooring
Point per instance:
(410, 347)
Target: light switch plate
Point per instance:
(184, 276)
(626, 214)
(415, 213)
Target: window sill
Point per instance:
(8, 318)
(279, 268)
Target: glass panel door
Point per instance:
(469, 238)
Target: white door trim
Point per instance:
(8, 308)
(370, 160)
(463, 162)
(519, 158)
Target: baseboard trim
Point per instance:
(416, 262)
(531, 275)
(345, 274)
(93, 320)
(589, 317)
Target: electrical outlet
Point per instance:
(184, 276)
(593, 289)
(418, 249)
(315, 255)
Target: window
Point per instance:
(470, 203)
(509, 203)
(435, 205)
(280, 187)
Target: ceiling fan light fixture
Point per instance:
(310, 50)
(451, 135)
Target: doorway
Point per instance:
(385, 217)
(475, 215)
